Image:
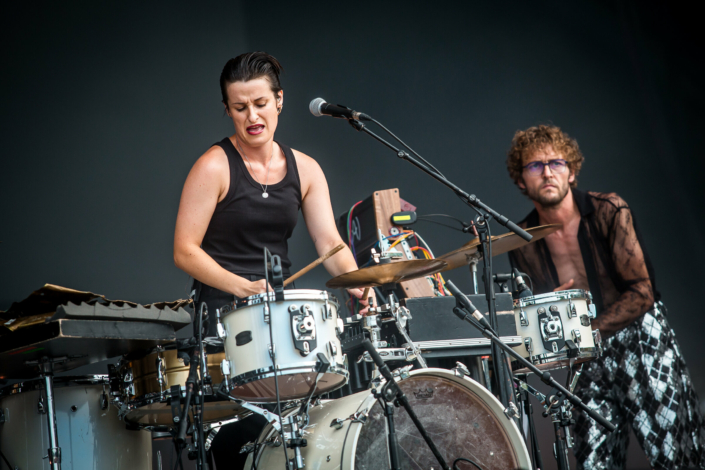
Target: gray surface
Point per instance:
(107, 106)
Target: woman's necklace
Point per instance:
(265, 194)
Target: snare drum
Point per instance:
(461, 416)
(144, 389)
(90, 434)
(555, 329)
(304, 324)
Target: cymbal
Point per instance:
(500, 244)
(379, 274)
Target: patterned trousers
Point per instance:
(641, 380)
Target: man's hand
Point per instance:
(365, 302)
(565, 286)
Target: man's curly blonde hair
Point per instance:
(525, 143)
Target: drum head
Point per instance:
(463, 419)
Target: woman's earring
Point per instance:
(279, 109)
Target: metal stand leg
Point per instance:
(54, 452)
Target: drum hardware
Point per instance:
(559, 331)
(391, 393)
(46, 368)
(470, 252)
(559, 402)
(303, 328)
(460, 370)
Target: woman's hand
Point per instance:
(371, 299)
(565, 286)
(251, 288)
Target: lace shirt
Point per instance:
(618, 269)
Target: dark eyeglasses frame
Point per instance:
(559, 169)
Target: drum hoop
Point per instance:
(553, 297)
(57, 382)
(268, 372)
(547, 358)
(290, 294)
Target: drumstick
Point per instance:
(314, 264)
(365, 292)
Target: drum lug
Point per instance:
(265, 311)
(327, 312)
(511, 411)
(529, 345)
(572, 310)
(461, 370)
(2, 416)
(592, 310)
(225, 368)
(332, 348)
(576, 336)
(597, 338)
(337, 423)
(523, 318)
(41, 408)
(584, 320)
(222, 332)
(340, 326)
(554, 346)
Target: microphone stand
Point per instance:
(501, 372)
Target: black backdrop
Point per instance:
(105, 107)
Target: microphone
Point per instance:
(465, 302)
(319, 107)
(524, 290)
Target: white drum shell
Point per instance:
(251, 362)
(89, 438)
(544, 358)
(332, 449)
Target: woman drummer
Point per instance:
(244, 194)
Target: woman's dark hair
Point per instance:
(250, 66)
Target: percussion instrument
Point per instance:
(555, 329)
(92, 436)
(500, 244)
(304, 324)
(386, 273)
(144, 389)
(464, 419)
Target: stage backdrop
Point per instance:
(106, 106)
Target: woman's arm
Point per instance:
(206, 185)
(318, 214)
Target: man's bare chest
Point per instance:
(567, 258)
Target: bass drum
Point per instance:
(461, 416)
(91, 436)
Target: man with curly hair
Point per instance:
(641, 380)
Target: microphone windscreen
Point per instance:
(315, 106)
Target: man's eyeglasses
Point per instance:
(556, 166)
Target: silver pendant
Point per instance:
(265, 195)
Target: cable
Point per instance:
(455, 463)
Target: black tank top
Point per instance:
(244, 222)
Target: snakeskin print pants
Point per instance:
(641, 381)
